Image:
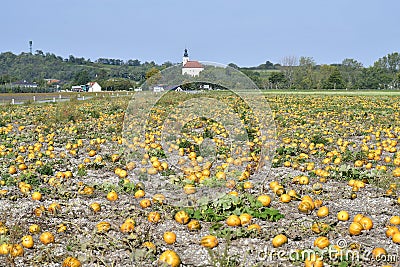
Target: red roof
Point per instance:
(193, 64)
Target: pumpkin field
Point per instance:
(79, 187)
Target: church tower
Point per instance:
(185, 58)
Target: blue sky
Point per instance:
(247, 33)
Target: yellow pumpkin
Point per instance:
(322, 242)
(16, 250)
(103, 227)
(285, 198)
(273, 184)
(320, 227)
(140, 193)
(279, 240)
(343, 216)
(367, 223)
(12, 170)
(395, 220)
(36, 196)
(313, 261)
(396, 238)
(358, 217)
(95, 207)
(209, 241)
(264, 199)
(279, 190)
(169, 237)
(182, 217)
(154, 217)
(5, 249)
(304, 180)
(46, 238)
(145, 203)
(149, 245)
(255, 227)
(171, 258)
(304, 207)
(318, 203)
(233, 220)
(127, 227)
(27, 241)
(112, 196)
(3, 229)
(355, 228)
(34, 228)
(54, 208)
(71, 262)
(189, 189)
(193, 225)
(245, 218)
(391, 231)
(323, 212)
(378, 252)
(158, 198)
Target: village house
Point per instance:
(89, 87)
(93, 87)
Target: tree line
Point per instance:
(117, 74)
(304, 73)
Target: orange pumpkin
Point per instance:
(71, 262)
(233, 220)
(193, 225)
(169, 237)
(27, 241)
(355, 228)
(46, 238)
(154, 217)
(209, 241)
(171, 258)
(182, 217)
(279, 240)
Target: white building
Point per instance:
(158, 89)
(190, 67)
(93, 87)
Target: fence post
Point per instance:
(12, 101)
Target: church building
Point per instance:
(190, 67)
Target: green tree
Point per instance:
(81, 77)
(390, 62)
(335, 80)
(304, 74)
(153, 76)
(117, 84)
(351, 70)
(374, 78)
(277, 79)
